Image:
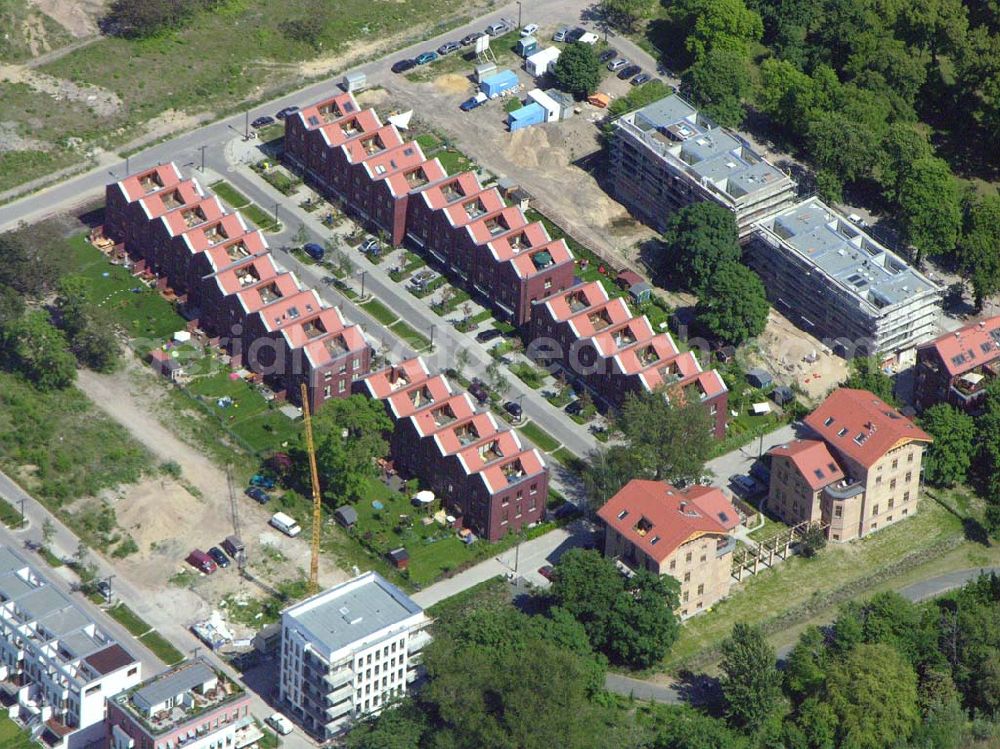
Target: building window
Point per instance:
(704, 557)
(889, 519)
(895, 463)
(685, 598)
(341, 386)
(892, 501)
(909, 476)
(906, 496)
(687, 577)
(874, 526)
(875, 510)
(701, 589)
(688, 557)
(905, 511)
(909, 458)
(836, 536)
(326, 392)
(838, 511)
(673, 563)
(892, 484)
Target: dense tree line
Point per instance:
(40, 342)
(852, 85)
(886, 674)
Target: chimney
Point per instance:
(683, 506)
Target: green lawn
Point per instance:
(162, 648)
(129, 619)
(411, 336)
(454, 161)
(529, 374)
(542, 439)
(255, 421)
(798, 588)
(141, 311)
(12, 737)
(33, 429)
(770, 528)
(10, 515)
(261, 218)
(379, 311)
(568, 459)
(229, 194)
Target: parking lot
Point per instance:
(560, 163)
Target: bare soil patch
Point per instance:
(78, 17)
(102, 102)
(782, 350)
(452, 83)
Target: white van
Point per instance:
(279, 722)
(285, 524)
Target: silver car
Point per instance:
(560, 35)
(618, 64)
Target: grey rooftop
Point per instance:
(352, 611)
(845, 253)
(173, 683)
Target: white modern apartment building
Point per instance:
(668, 155)
(840, 284)
(57, 666)
(348, 651)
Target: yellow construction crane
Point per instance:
(317, 526)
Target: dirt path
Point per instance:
(124, 398)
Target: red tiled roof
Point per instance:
(187, 192)
(290, 309)
(155, 178)
(235, 279)
(458, 408)
(589, 322)
(501, 474)
(525, 265)
(509, 218)
(385, 382)
(674, 516)
(414, 178)
(421, 394)
(457, 188)
(812, 459)
(967, 348)
(483, 202)
(238, 249)
(628, 278)
(609, 341)
(258, 296)
(367, 144)
(588, 294)
(861, 426)
(517, 241)
(181, 219)
(337, 106)
(340, 131)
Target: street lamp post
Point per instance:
(276, 216)
(21, 503)
(246, 125)
(202, 149)
(432, 334)
(519, 13)
(107, 595)
(363, 274)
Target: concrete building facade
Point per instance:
(686, 534)
(841, 285)
(57, 666)
(668, 155)
(860, 473)
(190, 706)
(488, 479)
(349, 651)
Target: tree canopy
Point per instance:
(578, 71)
(668, 438)
(751, 682)
(948, 459)
(733, 304)
(866, 374)
(698, 239)
(349, 435)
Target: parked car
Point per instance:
(617, 64)
(279, 723)
(742, 483)
(529, 30)
(490, 334)
(104, 588)
(547, 571)
(514, 409)
(478, 390)
(258, 495)
(286, 524)
(370, 245)
(263, 121)
(313, 250)
(234, 546)
(641, 78)
(425, 57)
(560, 35)
(473, 101)
(471, 38)
(608, 55)
(401, 66)
(202, 562)
(574, 408)
(282, 114)
(218, 556)
(264, 482)
(625, 73)
(575, 34)
(496, 29)
(448, 47)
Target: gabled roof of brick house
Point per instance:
(450, 190)
(268, 291)
(442, 416)
(592, 320)
(149, 181)
(383, 383)
(659, 518)
(565, 304)
(421, 394)
(331, 109)
(485, 228)
(858, 424)
(542, 259)
(968, 347)
(186, 192)
(482, 203)
(813, 461)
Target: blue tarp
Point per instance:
(505, 80)
(533, 114)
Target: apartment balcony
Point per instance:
(418, 640)
(726, 546)
(340, 694)
(341, 708)
(339, 678)
(335, 726)
(844, 489)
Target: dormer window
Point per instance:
(643, 527)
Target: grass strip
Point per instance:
(162, 648)
(230, 194)
(542, 439)
(380, 312)
(129, 619)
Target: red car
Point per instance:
(202, 562)
(546, 571)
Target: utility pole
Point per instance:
(246, 126)
(126, 166)
(276, 216)
(21, 502)
(519, 13)
(108, 596)
(432, 334)
(363, 274)
(202, 149)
